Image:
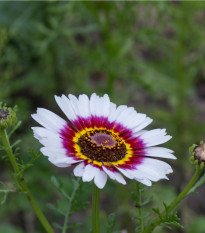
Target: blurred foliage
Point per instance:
(149, 55)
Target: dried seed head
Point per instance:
(199, 153)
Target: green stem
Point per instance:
(22, 184)
(176, 201)
(95, 210)
(5, 140)
(70, 201)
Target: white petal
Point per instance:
(114, 114)
(99, 106)
(47, 137)
(139, 133)
(78, 109)
(153, 133)
(144, 181)
(159, 166)
(62, 162)
(57, 155)
(155, 137)
(135, 173)
(53, 152)
(39, 132)
(92, 104)
(79, 169)
(112, 109)
(49, 120)
(84, 105)
(114, 175)
(159, 152)
(100, 179)
(124, 114)
(65, 104)
(142, 125)
(125, 173)
(89, 173)
(130, 118)
(135, 120)
(159, 140)
(149, 170)
(139, 176)
(150, 173)
(105, 105)
(52, 141)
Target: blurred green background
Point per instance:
(149, 55)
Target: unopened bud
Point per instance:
(7, 116)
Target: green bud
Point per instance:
(7, 116)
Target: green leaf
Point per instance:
(148, 200)
(56, 182)
(52, 207)
(166, 225)
(57, 226)
(138, 229)
(4, 193)
(3, 198)
(157, 211)
(15, 143)
(111, 222)
(18, 124)
(178, 225)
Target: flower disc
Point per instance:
(102, 146)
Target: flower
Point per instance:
(103, 140)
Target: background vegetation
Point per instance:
(149, 55)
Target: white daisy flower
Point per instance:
(103, 140)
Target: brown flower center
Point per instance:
(102, 146)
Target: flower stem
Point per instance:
(95, 209)
(8, 149)
(176, 201)
(20, 181)
(68, 212)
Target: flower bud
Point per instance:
(7, 116)
(199, 153)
